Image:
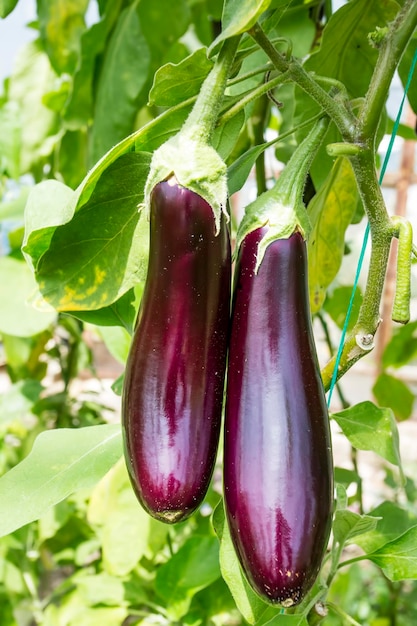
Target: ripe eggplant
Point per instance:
(278, 483)
(174, 380)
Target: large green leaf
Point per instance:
(253, 609)
(194, 567)
(61, 25)
(174, 83)
(348, 524)
(404, 69)
(17, 316)
(102, 252)
(61, 462)
(124, 73)
(369, 427)
(398, 558)
(331, 211)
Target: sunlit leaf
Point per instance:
(61, 462)
(347, 524)
(369, 427)
(17, 316)
(394, 521)
(398, 558)
(174, 83)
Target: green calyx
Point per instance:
(189, 155)
(281, 208)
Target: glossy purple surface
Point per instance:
(277, 464)
(173, 390)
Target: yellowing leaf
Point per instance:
(331, 212)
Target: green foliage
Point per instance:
(81, 115)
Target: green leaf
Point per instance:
(17, 401)
(287, 620)
(10, 139)
(175, 83)
(392, 392)
(402, 347)
(344, 48)
(369, 427)
(32, 78)
(348, 525)
(48, 206)
(118, 90)
(61, 25)
(226, 136)
(121, 313)
(79, 108)
(117, 341)
(17, 316)
(194, 567)
(6, 7)
(240, 169)
(240, 15)
(331, 211)
(394, 521)
(61, 462)
(337, 302)
(398, 558)
(102, 252)
(247, 601)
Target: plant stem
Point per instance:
(258, 116)
(250, 96)
(339, 611)
(343, 118)
(391, 50)
(203, 117)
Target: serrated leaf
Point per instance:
(174, 83)
(61, 462)
(331, 211)
(194, 567)
(102, 252)
(369, 427)
(398, 558)
(393, 392)
(247, 601)
(348, 524)
(17, 316)
(394, 521)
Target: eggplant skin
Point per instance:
(278, 472)
(174, 380)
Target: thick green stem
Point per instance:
(342, 116)
(203, 117)
(391, 50)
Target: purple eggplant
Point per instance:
(278, 471)
(174, 380)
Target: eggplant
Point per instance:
(278, 473)
(174, 380)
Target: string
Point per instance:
(367, 230)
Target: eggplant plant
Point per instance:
(152, 155)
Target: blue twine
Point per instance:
(367, 230)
